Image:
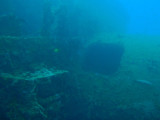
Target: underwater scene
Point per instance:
(79, 60)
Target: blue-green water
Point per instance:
(79, 60)
(144, 16)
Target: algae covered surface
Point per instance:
(46, 89)
(79, 60)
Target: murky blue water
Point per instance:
(144, 16)
(79, 60)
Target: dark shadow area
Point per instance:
(11, 25)
(103, 57)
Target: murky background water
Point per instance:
(79, 60)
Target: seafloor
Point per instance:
(43, 79)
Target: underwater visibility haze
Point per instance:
(79, 60)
